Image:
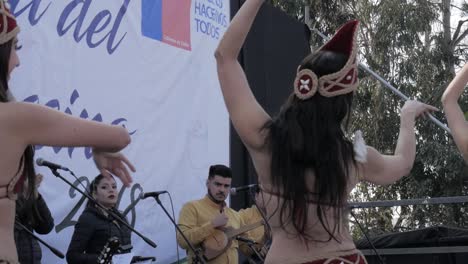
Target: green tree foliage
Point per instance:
(416, 47)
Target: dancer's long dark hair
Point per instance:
(309, 136)
(27, 160)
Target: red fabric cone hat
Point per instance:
(341, 82)
(8, 26)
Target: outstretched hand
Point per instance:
(416, 108)
(115, 163)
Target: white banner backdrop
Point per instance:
(144, 64)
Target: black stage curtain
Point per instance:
(274, 48)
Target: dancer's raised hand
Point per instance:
(115, 163)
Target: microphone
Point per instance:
(152, 194)
(50, 165)
(234, 191)
(245, 240)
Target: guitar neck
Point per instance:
(235, 232)
(110, 248)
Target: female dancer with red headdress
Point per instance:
(306, 165)
(25, 125)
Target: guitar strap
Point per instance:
(222, 205)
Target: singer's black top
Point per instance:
(92, 232)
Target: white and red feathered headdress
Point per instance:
(341, 82)
(8, 26)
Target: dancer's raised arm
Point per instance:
(246, 114)
(386, 169)
(455, 118)
(36, 124)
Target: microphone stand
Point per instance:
(29, 232)
(268, 237)
(251, 245)
(379, 258)
(109, 212)
(198, 257)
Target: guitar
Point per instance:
(110, 248)
(217, 243)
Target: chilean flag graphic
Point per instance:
(167, 21)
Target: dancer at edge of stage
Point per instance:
(25, 125)
(455, 117)
(306, 165)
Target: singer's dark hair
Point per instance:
(93, 187)
(26, 164)
(219, 170)
(307, 139)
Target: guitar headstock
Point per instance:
(110, 248)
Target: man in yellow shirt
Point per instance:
(199, 220)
